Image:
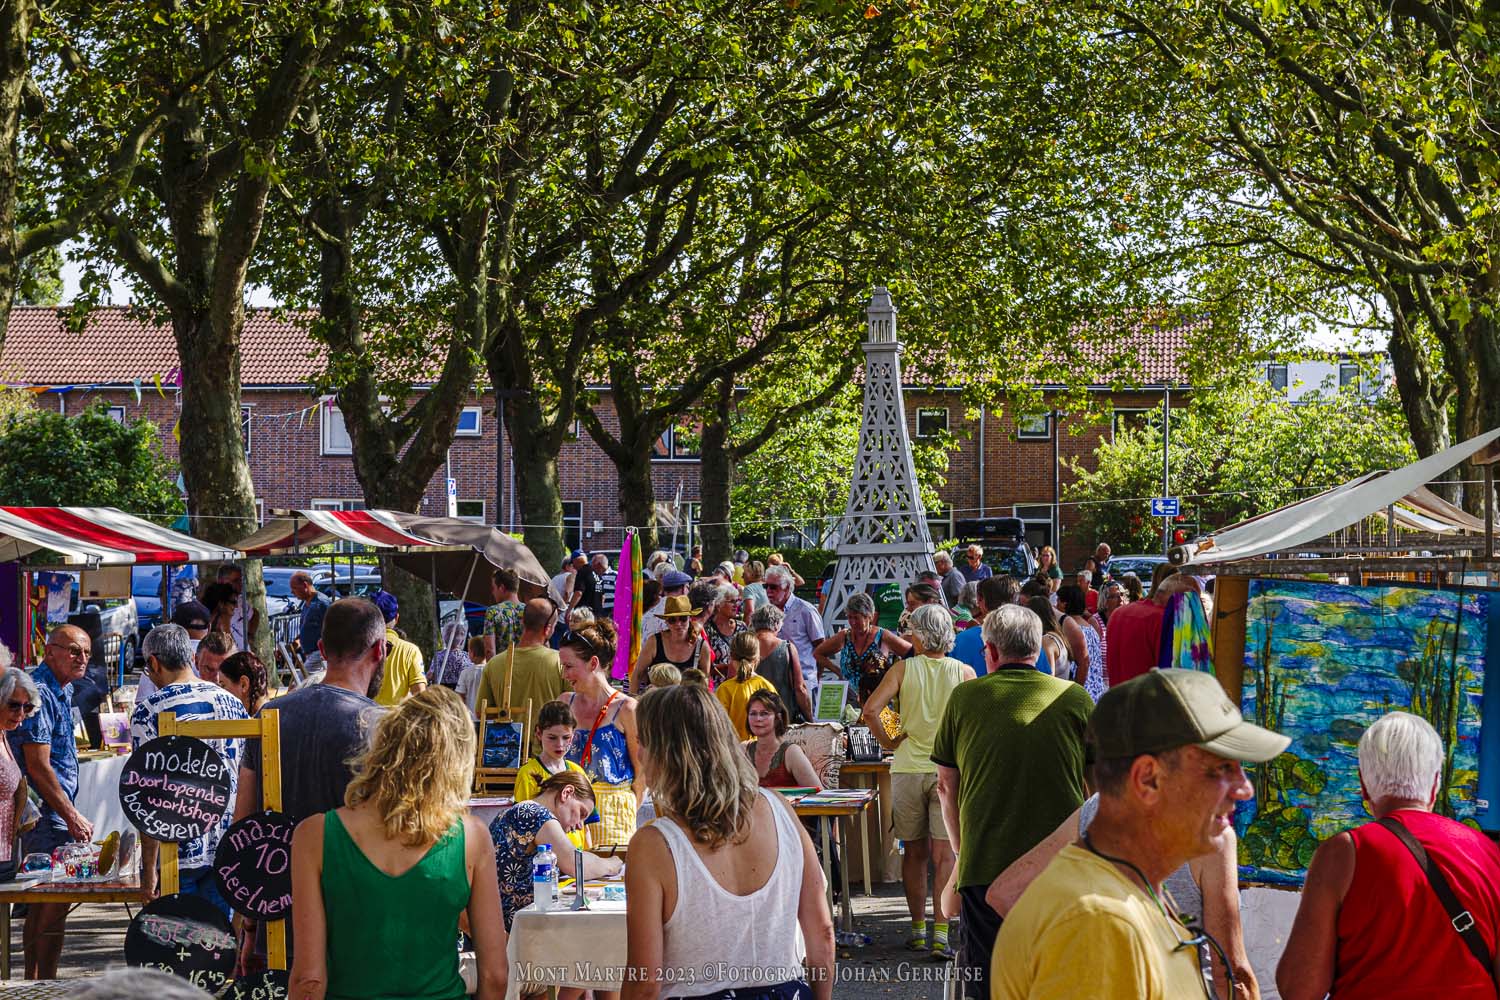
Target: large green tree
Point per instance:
(51, 460)
(187, 227)
(1235, 451)
(1360, 141)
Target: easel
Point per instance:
(500, 779)
(267, 729)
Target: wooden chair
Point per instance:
(491, 780)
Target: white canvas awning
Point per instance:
(1338, 508)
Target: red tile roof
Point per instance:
(118, 346)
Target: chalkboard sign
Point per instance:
(253, 865)
(273, 984)
(186, 936)
(175, 788)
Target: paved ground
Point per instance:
(882, 968)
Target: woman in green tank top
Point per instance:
(380, 884)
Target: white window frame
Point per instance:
(475, 518)
(1356, 375)
(478, 430)
(117, 414)
(326, 429)
(928, 412)
(247, 419)
(1023, 433)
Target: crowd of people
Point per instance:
(1064, 806)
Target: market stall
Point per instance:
(454, 555)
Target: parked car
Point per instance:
(145, 587)
(1003, 539)
(279, 597)
(117, 616)
(1141, 566)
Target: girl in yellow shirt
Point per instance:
(734, 693)
(554, 727)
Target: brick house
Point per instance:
(299, 448)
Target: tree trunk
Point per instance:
(638, 496)
(537, 484)
(16, 17)
(715, 477)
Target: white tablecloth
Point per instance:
(99, 795)
(584, 949)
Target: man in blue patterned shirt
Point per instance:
(169, 663)
(48, 755)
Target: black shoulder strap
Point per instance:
(1462, 919)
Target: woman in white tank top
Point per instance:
(720, 883)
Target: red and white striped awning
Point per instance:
(448, 552)
(99, 536)
(379, 529)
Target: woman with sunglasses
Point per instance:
(604, 740)
(19, 697)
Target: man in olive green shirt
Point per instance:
(535, 671)
(1010, 756)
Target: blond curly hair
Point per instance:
(419, 767)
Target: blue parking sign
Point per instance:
(1165, 506)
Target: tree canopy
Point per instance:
(1235, 452)
(48, 459)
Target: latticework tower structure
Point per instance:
(883, 537)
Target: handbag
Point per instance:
(1458, 915)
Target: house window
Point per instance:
(245, 421)
(572, 524)
(1034, 427)
(469, 422)
(940, 524)
(335, 434)
(1134, 419)
(1349, 374)
(1037, 519)
(678, 444)
(575, 432)
(1276, 375)
(117, 414)
(471, 510)
(931, 421)
(260, 511)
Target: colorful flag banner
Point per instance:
(628, 609)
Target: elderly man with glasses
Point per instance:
(49, 758)
(974, 568)
(1098, 922)
(803, 627)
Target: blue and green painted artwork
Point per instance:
(1322, 663)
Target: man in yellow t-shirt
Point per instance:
(1168, 747)
(404, 675)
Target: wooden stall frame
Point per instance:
(492, 779)
(267, 729)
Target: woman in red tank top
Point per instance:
(1370, 924)
(778, 764)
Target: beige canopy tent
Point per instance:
(1401, 494)
(454, 555)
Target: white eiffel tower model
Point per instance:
(883, 537)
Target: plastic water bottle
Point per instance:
(543, 878)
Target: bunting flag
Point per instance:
(157, 380)
(628, 606)
(177, 431)
(1185, 639)
(135, 386)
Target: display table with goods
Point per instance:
(567, 947)
(827, 807)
